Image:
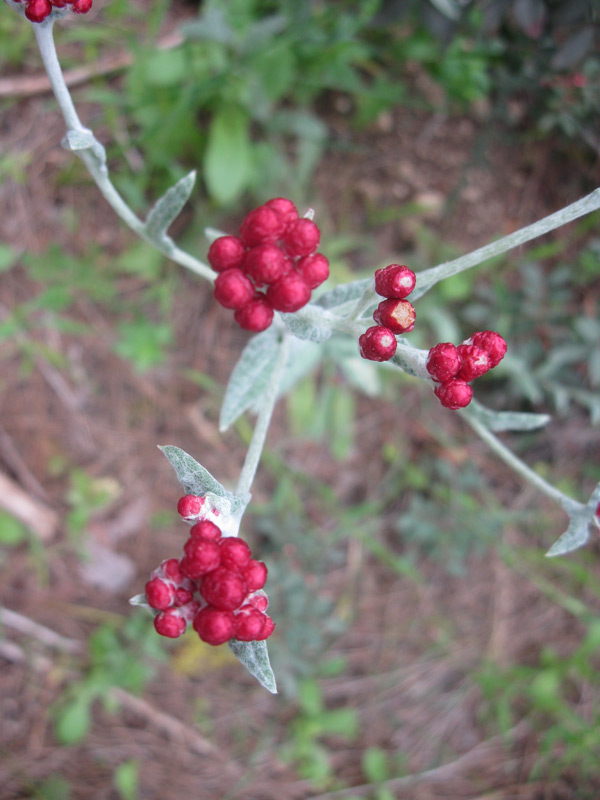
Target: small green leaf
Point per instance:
(126, 780)
(506, 420)
(12, 533)
(250, 377)
(55, 787)
(73, 720)
(255, 657)
(227, 156)
(375, 764)
(168, 207)
(310, 697)
(8, 257)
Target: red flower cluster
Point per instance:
(454, 367)
(38, 10)
(271, 266)
(216, 585)
(393, 315)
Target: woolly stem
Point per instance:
(263, 421)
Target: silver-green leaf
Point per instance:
(344, 293)
(168, 207)
(194, 478)
(250, 377)
(582, 518)
(84, 139)
(307, 326)
(506, 420)
(255, 657)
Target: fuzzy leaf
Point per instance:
(255, 657)
(574, 537)
(84, 139)
(310, 327)
(168, 207)
(507, 420)
(582, 517)
(304, 358)
(345, 293)
(78, 140)
(194, 478)
(362, 375)
(73, 720)
(250, 377)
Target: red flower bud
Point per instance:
(475, 362)
(454, 394)
(396, 281)
(249, 624)
(214, 626)
(285, 208)
(289, 293)
(224, 589)
(201, 557)
(255, 575)
(264, 263)
(235, 553)
(189, 506)
(262, 225)
(302, 237)
(233, 289)
(493, 344)
(377, 343)
(170, 623)
(256, 316)
(160, 595)
(443, 362)
(226, 252)
(314, 269)
(397, 315)
(206, 529)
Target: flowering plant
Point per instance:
(266, 274)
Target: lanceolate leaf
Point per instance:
(255, 657)
(304, 358)
(168, 207)
(194, 478)
(506, 420)
(250, 377)
(583, 519)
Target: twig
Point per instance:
(443, 773)
(37, 516)
(39, 632)
(173, 728)
(14, 459)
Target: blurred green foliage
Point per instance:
(125, 656)
(558, 696)
(305, 747)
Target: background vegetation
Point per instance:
(425, 648)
